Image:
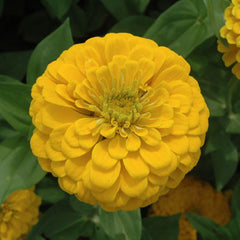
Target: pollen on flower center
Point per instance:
(122, 108)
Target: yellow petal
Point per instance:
(117, 147)
(68, 185)
(132, 187)
(148, 69)
(157, 180)
(61, 90)
(54, 116)
(153, 138)
(88, 141)
(72, 152)
(75, 167)
(57, 135)
(150, 191)
(84, 126)
(180, 126)
(141, 51)
(108, 131)
(194, 143)
(157, 157)
(45, 164)
(104, 179)
(70, 73)
(133, 142)
(112, 47)
(38, 142)
(193, 118)
(71, 137)
(101, 157)
(135, 165)
(58, 168)
(108, 195)
(178, 144)
(53, 154)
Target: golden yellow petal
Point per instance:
(157, 157)
(178, 144)
(38, 142)
(112, 46)
(180, 126)
(153, 138)
(101, 157)
(133, 142)
(141, 51)
(104, 178)
(45, 164)
(135, 165)
(75, 167)
(117, 147)
(72, 152)
(54, 155)
(68, 185)
(58, 168)
(148, 69)
(132, 187)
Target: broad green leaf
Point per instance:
(216, 106)
(182, 27)
(224, 161)
(61, 222)
(216, 14)
(48, 50)
(14, 104)
(136, 25)
(78, 21)
(57, 8)
(121, 225)
(19, 169)
(208, 229)
(138, 5)
(119, 9)
(96, 14)
(5, 130)
(31, 33)
(234, 227)
(236, 200)
(49, 190)
(14, 64)
(233, 125)
(162, 227)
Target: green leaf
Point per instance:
(15, 99)
(224, 160)
(121, 225)
(31, 33)
(208, 229)
(57, 8)
(236, 200)
(216, 106)
(78, 21)
(48, 50)
(61, 222)
(162, 227)
(49, 190)
(5, 130)
(119, 9)
(19, 169)
(136, 25)
(216, 14)
(233, 125)
(138, 5)
(14, 64)
(182, 27)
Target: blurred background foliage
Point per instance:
(34, 33)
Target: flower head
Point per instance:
(118, 120)
(18, 213)
(231, 32)
(193, 196)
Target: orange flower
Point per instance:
(193, 196)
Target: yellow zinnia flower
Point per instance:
(118, 120)
(18, 213)
(231, 32)
(193, 196)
